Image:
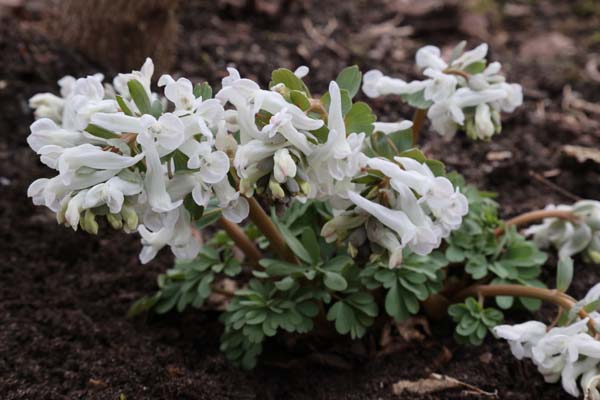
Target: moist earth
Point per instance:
(64, 295)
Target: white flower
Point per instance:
(397, 220)
(250, 154)
(377, 233)
(301, 71)
(281, 123)
(340, 225)
(112, 193)
(74, 208)
(447, 115)
(233, 206)
(85, 99)
(513, 97)
(91, 157)
(47, 105)
(169, 229)
(521, 337)
(180, 92)
(440, 87)
(571, 237)
(430, 57)
(484, 127)
(284, 166)
(390, 127)
(590, 381)
(375, 84)
(154, 181)
(45, 132)
(470, 57)
(143, 76)
(340, 158)
(51, 192)
(444, 202)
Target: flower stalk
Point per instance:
(241, 240)
(537, 215)
(418, 120)
(268, 228)
(548, 295)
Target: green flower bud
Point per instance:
(115, 220)
(89, 222)
(276, 190)
(130, 218)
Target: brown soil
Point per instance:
(64, 295)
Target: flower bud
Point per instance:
(276, 190)
(88, 223)
(247, 187)
(115, 220)
(284, 166)
(130, 218)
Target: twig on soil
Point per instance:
(436, 383)
(554, 186)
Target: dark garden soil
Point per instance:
(64, 294)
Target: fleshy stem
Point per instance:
(241, 240)
(537, 215)
(548, 295)
(268, 228)
(418, 119)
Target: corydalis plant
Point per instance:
(341, 217)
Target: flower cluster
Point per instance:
(571, 237)
(463, 92)
(566, 353)
(153, 164)
(119, 154)
(409, 206)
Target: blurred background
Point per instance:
(64, 294)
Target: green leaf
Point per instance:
(139, 96)
(345, 98)
(101, 132)
(335, 281)
(505, 302)
(287, 77)
(394, 305)
(350, 79)
(455, 254)
(208, 218)
(285, 284)
(359, 119)
(310, 243)
(299, 99)
(475, 68)
(564, 274)
(123, 106)
(193, 208)
(294, 244)
(156, 109)
(417, 100)
(203, 90)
